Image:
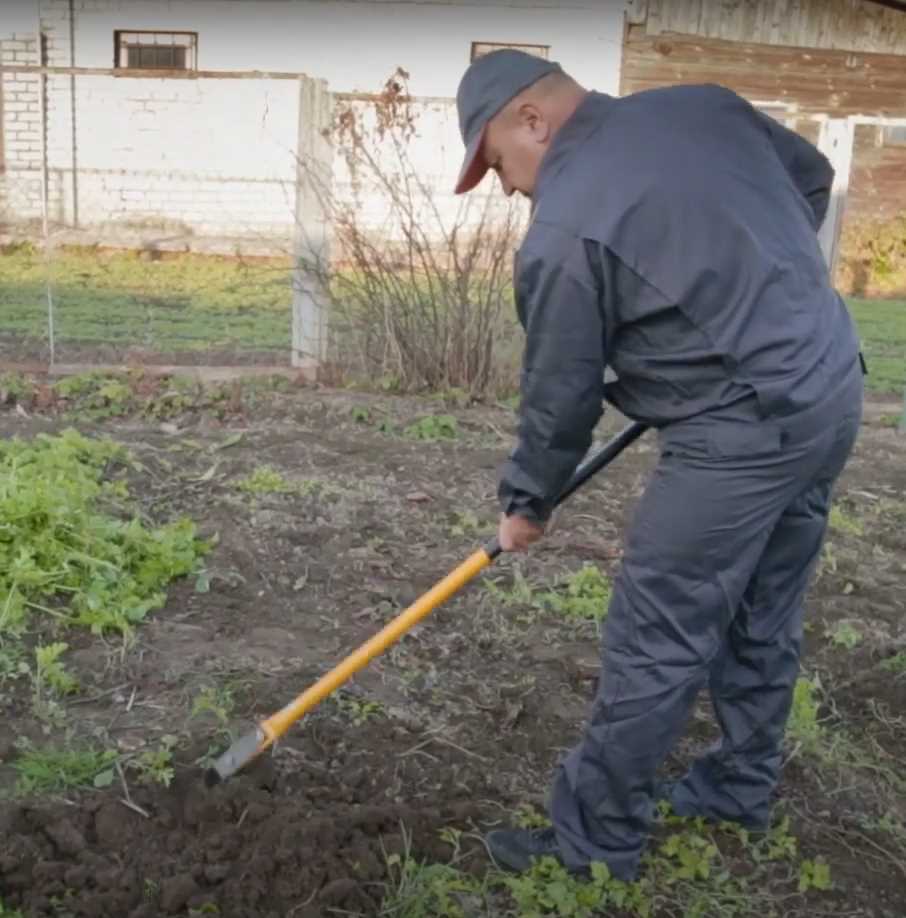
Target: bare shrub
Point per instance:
(419, 284)
(873, 257)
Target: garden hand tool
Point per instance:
(253, 743)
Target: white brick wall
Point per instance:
(216, 156)
(20, 181)
(203, 156)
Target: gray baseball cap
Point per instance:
(486, 87)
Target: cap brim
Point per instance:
(474, 166)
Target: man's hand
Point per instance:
(516, 533)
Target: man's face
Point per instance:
(514, 145)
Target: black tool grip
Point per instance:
(592, 464)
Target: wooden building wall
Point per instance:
(851, 25)
(814, 57)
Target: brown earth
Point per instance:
(457, 725)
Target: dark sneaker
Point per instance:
(515, 849)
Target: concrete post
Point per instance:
(836, 142)
(313, 182)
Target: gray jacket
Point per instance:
(674, 240)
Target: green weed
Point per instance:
(357, 710)
(465, 523)
(803, 726)
(814, 875)
(841, 521)
(217, 700)
(155, 766)
(7, 911)
(422, 889)
(584, 594)
(265, 480)
(71, 547)
(521, 593)
(54, 769)
(50, 672)
(14, 387)
(433, 427)
(527, 817)
(549, 889)
(845, 635)
(13, 664)
(419, 890)
(895, 664)
(51, 682)
(827, 562)
(696, 871)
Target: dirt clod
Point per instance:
(176, 892)
(65, 837)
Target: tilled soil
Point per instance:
(453, 728)
(243, 848)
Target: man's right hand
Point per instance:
(516, 533)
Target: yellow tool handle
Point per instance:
(276, 725)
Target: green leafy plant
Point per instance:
(527, 817)
(357, 710)
(216, 700)
(55, 769)
(584, 594)
(72, 547)
(465, 523)
(896, 663)
(97, 395)
(845, 634)
(827, 562)
(549, 889)
(520, 593)
(814, 875)
(433, 427)
(13, 664)
(265, 480)
(7, 911)
(14, 387)
(694, 855)
(418, 889)
(156, 765)
(803, 726)
(841, 521)
(50, 672)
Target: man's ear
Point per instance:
(531, 117)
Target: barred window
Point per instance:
(155, 50)
(484, 47)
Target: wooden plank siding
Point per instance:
(851, 25)
(836, 83)
(877, 185)
(821, 58)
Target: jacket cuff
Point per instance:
(518, 503)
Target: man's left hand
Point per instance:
(516, 533)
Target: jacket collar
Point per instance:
(584, 121)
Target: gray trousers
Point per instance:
(711, 589)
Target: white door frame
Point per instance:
(836, 140)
